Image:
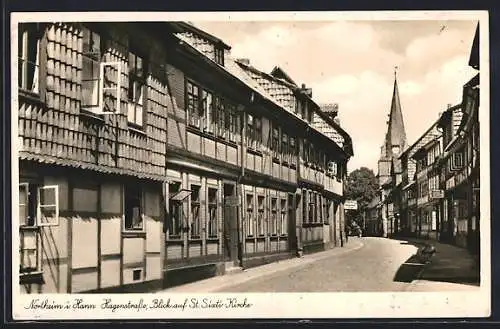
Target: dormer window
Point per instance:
(219, 55)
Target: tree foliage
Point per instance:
(361, 186)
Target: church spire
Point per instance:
(395, 140)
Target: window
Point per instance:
(305, 151)
(319, 209)
(136, 77)
(192, 104)
(133, 208)
(212, 213)
(260, 216)
(276, 143)
(293, 150)
(332, 168)
(284, 147)
(29, 57)
(250, 216)
(48, 206)
(423, 189)
(230, 109)
(250, 131)
(175, 212)
(284, 218)
(312, 207)
(274, 216)
(219, 56)
(91, 57)
(221, 131)
(458, 160)
(209, 113)
(38, 206)
(305, 209)
(195, 212)
(235, 124)
(258, 132)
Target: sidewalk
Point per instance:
(219, 282)
(449, 265)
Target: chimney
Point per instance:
(307, 91)
(448, 105)
(244, 61)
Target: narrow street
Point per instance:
(373, 267)
(366, 264)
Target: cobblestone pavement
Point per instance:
(370, 268)
(366, 264)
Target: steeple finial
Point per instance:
(395, 71)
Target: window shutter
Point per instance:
(42, 204)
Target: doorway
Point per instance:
(230, 219)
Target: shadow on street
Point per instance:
(409, 270)
(450, 264)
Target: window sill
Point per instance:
(210, 135)
(30, 96)
(311, 224)
(31, 277)
(175, 239)
(213, 239)
(29, 228)
(254, 151)
(91, 116)
(134, 234)
(136, 129)
(196, 238)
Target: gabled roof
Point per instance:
(474, 53)
(279, 73)
(189, 27)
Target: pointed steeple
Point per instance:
(395, 140)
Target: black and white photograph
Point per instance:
(246, 164)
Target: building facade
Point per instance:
(460, 165)
(440, 173)
(149, 157)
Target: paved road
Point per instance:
(376, 266)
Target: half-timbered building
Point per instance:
(149, 157)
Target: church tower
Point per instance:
(394, 144)
(395, 138)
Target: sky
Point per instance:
(352, 63)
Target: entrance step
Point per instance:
(231, 268)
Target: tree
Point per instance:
(361, 186)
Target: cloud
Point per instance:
(352, 63)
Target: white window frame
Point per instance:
(26, 186)
(24, 57)
(102, 89)
(39, 206)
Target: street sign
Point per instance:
(437, 194)
(351, 205)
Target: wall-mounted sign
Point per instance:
(437, 194)
(351, 205)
